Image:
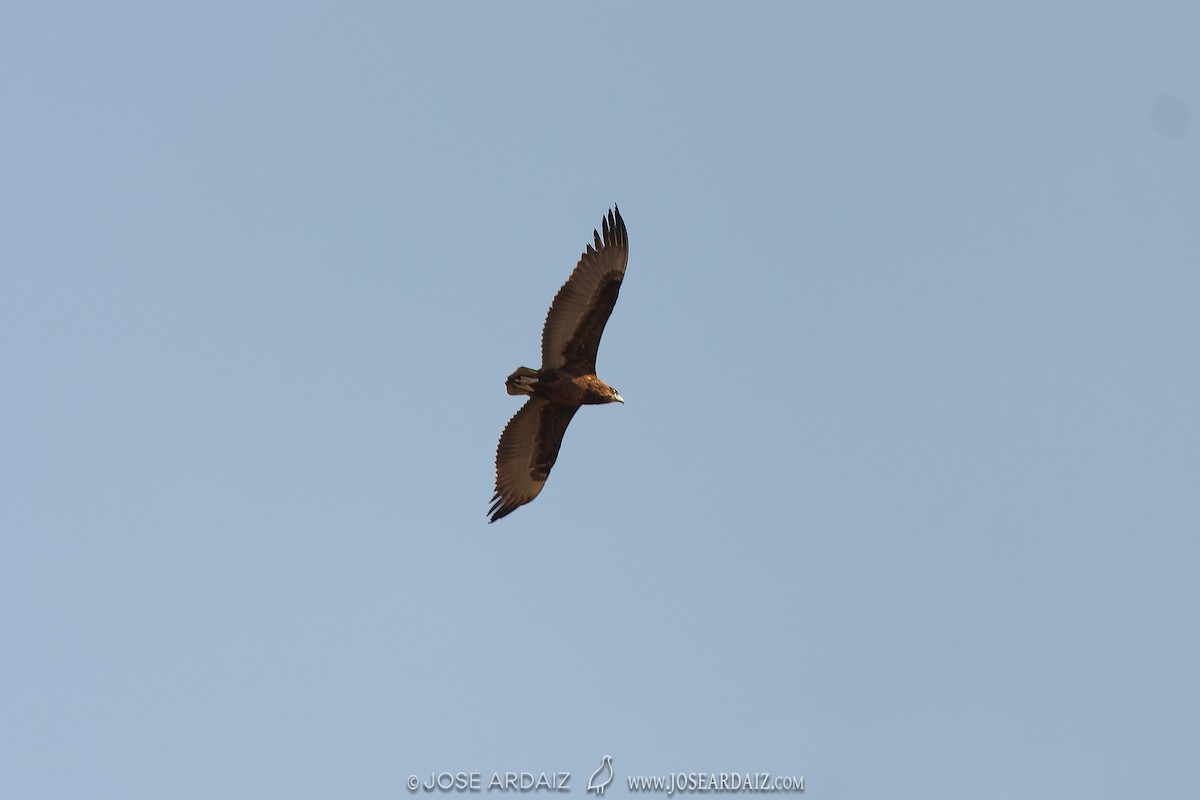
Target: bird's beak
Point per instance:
(619, 399)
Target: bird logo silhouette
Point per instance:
(602, 777)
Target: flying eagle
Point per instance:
(530, 442)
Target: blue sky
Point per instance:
(903, 498)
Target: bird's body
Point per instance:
(559, 386)
(567, 379)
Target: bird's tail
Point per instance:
(522, 381)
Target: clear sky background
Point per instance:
(904, 497)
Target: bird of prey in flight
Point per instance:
(531, 440)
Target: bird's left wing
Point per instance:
(528, 449)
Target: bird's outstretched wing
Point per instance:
(527, 450)
(582, 306)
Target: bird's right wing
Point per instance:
(575, 323)
(528, 449)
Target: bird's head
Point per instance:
(596, 391)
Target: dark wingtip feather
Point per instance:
(614, 227)
(614, 231)
(500, 508)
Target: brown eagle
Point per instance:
(530, 442)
